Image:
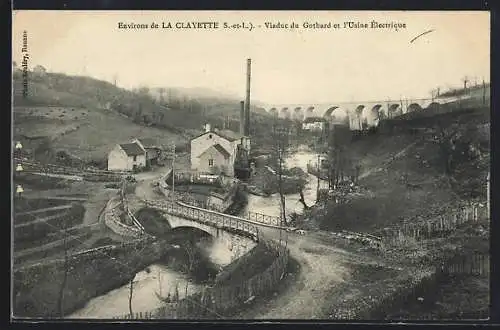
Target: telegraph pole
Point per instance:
(488, 194)
(484, 92)
(173, 173)
(317, 187)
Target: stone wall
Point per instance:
(219, 202)
(111, 216)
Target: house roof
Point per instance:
(132, 149)
(148, 142)
(224, 133)
(314, 120)
(220, 149)
(229, 135)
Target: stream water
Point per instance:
(271, 205)
(155, 281)
(159, 279)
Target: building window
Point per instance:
(210, 162)
(135, 158)
(209, 136)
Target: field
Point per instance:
(44, 210)
(87, 134)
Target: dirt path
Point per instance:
(50, 196)
(373, 169)
(47, 209)
(322, 267)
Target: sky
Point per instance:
(298, 66)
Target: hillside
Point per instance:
(476, 90)
(86, 117)
(412, 170)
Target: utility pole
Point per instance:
(484, 92)
(465, 80)
(317, 187)
(247, 98)
(173, 173)
(488, 194)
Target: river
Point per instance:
(159, 278)
(271, 205)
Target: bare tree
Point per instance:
(161, 90)
(446, 137)
(130, 295)
(465, 80)
(280, 138)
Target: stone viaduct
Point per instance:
(356, 113)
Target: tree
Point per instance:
(339, 160)
(359, 112)
(465, 81)
(446, 137)
(143, 91)
(161, 90)
(280, 137)
(39, 69)
(130, 295)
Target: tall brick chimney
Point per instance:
(247, 101)
(242, 117)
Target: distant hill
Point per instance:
(198, 93)
(86, 117)
(473, 91)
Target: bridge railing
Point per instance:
(220, 220)
(264, 218)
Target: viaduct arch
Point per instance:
(359, 114)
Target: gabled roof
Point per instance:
(314, 120)
(219, 149)
(224, 133)
(132, 149)
(148, 142)
(229, 135)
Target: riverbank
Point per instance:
(47, 289)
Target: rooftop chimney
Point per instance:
(247, 101)
(207, 127)
(242, 117)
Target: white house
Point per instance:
(126, 157)
(314, 124)
(215, 151)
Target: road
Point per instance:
(322, 267)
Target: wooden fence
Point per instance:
(419, 229)
(60, 169)
(213, 302)
(92, 253)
